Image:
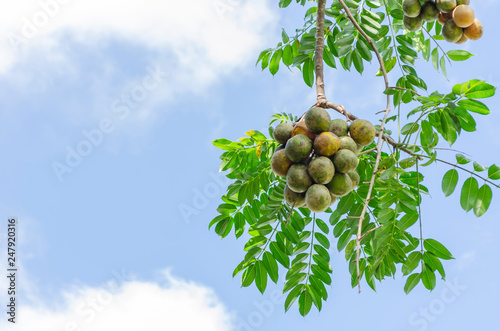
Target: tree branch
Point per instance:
(318, 56)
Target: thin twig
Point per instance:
(368, 232)
(380, 136)
(368, 151)
(404, 89)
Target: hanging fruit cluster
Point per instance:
(318, 158)
(457, 17)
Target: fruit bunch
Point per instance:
(457, 17)
(318, 158)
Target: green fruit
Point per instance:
(298, 179)
(429, 11)
(293, 198)
(280, 163)
(339, 127)
(326, 143)
(451, 32)
(463, 2)
(318, 198)
(354, 178)
(347, 143)
(279, 148)
(446, 6)
(412, 23)
(283, 132)
(362, 132)
(317, 120)
(345, 160)
(340, 185)
(321, 170)
(298, 148)
(411, 8)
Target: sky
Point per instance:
(107, 113)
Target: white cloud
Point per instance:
(170, 304)
(206, 37)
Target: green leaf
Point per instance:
(274, 65)
(224, 227)
(315, 295)
(459, 55)
(293, 295)
(428, 278)
(478, 167)
(438, 249)
(434, 264)
(461, 159)
(411, 282)
(469, 194)
(322, 239)
(474, 106)
(279, 255)
(284, 3)
(322, 226)
(260, 276)
(494, 172)
(248, 276)
(271, 266)
(483, 200)
(343, 240)
(308, 72)
(450, 181)
(305, 303)
(435, 58)
(480, 90)
(389, 65)
(287, 55)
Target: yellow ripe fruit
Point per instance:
(475, 31)
(463, 16)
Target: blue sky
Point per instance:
(105, 245)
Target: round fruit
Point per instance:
(345, 161)
(412, 23)
(293, 198)
(451, 32)
(463, 2)
(463, 16)
(339, 127)
(283, 132)
(280, 163)
(411, 8)
(446, 6)
(347, 143)
(340, 185)
(354, 178)
(333, 198)
(429, 12)
(279, 148)
(362, 132)
(462, 40)
(444, 17)
(301, 128)
(318, 198)
(321, 170)
(326, 143)
(298, 148)
(475, 31)
(298, 179)
(317, 120)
